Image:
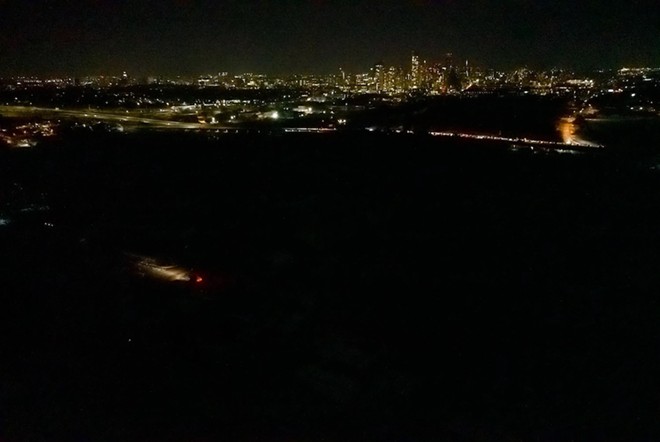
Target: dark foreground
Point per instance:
(353, 290)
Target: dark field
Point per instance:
(356, 287)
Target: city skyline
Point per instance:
(409, 68)
(185, 37)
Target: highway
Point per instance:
(552, 144)
(103, 115)
(130, 121)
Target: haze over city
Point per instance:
(180, 37)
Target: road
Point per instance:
(103, 115)
(571, 142)
(125, 118)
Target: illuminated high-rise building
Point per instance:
(436, 78)
(414, 71)
(424, 75)
(391, 79)
(341, 79)
(379, 76)
(124, 80)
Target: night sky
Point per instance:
(180, 37)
